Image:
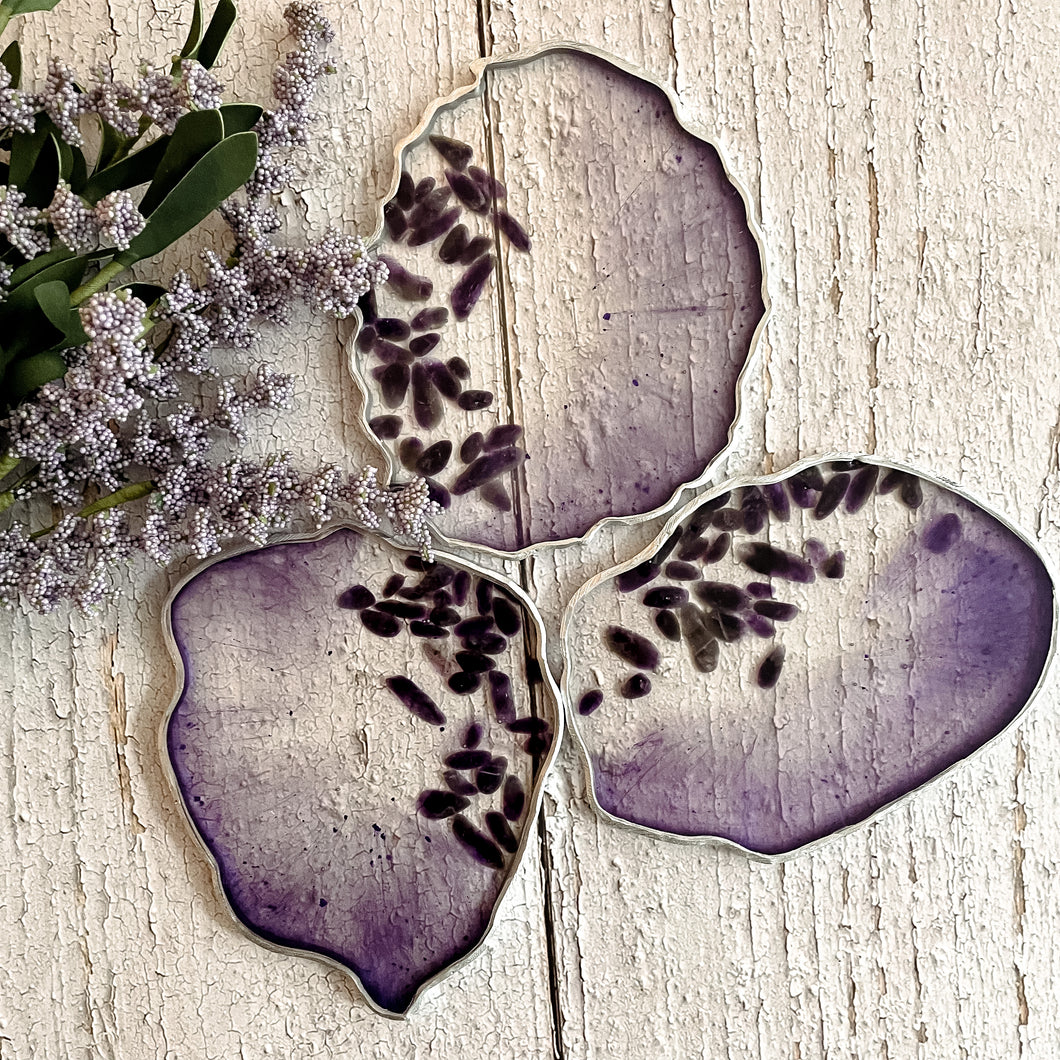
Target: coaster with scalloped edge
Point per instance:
(795, 653)
(360, 741)
(563, 337)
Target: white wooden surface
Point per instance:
(903, 158)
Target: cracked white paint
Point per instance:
(904, 160)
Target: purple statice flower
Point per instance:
(201, 90)
(16, 111)
(410, 510)
(75, 224)
(118, 218)
(336, 272)
(271, 390)
(116, 102)
(21, 224)
(62, 101)
(232, 305)
(121, 425)
(160, 98)
(67, 430)
(73, 562)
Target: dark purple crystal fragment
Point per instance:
(356, 597)
(453, 246)
(501, 698)
(489, 776)
(480, 846)
(470, 286)
(514, 798)
(473, 400)
(513, 231)
(386, 428)
(590, 701)
(943, 533)
(501, 831)
(769, 669)
(426, 406)
(438, 804)
(416, 701)
(632, 647)
(430, 318)
(492, 187)
(405, 190)
(434, 458)
(457, 153)
(480, 471)
(380, 623)
(474, 249)
(407, 285)
(467, 191)
(636, 686)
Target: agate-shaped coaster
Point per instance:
(360, 741)
(564, 335)
(795, 653)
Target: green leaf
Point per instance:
(130, 172)
(193, 136)
(240, 117)
(25, 150)
(66, 156)
(12, 59)
(38, 264)
(22, 303)
(27, 375)
(194, 33)
(24, 7)
(148, 293)
(132, 492)
(224, 18)
(111, 142)
(223, 170)
(40, 186)
(78, 170)
(54, 299)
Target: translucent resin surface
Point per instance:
(360, 742)
(539, 401)
(795, 655)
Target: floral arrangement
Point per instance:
(108, 446)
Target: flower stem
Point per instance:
(98, 282)
(132, 492)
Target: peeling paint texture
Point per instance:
(904, 167)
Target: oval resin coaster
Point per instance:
(795, 654)
(574, 289)
(360, 743)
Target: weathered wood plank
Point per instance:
(903, 164)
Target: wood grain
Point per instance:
(903, 160)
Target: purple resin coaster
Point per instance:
(562, 338)
(360, 742)
(794, 655)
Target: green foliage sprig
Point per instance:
(186, 173)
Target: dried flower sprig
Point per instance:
(122, 450)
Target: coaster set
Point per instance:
(360, 737)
